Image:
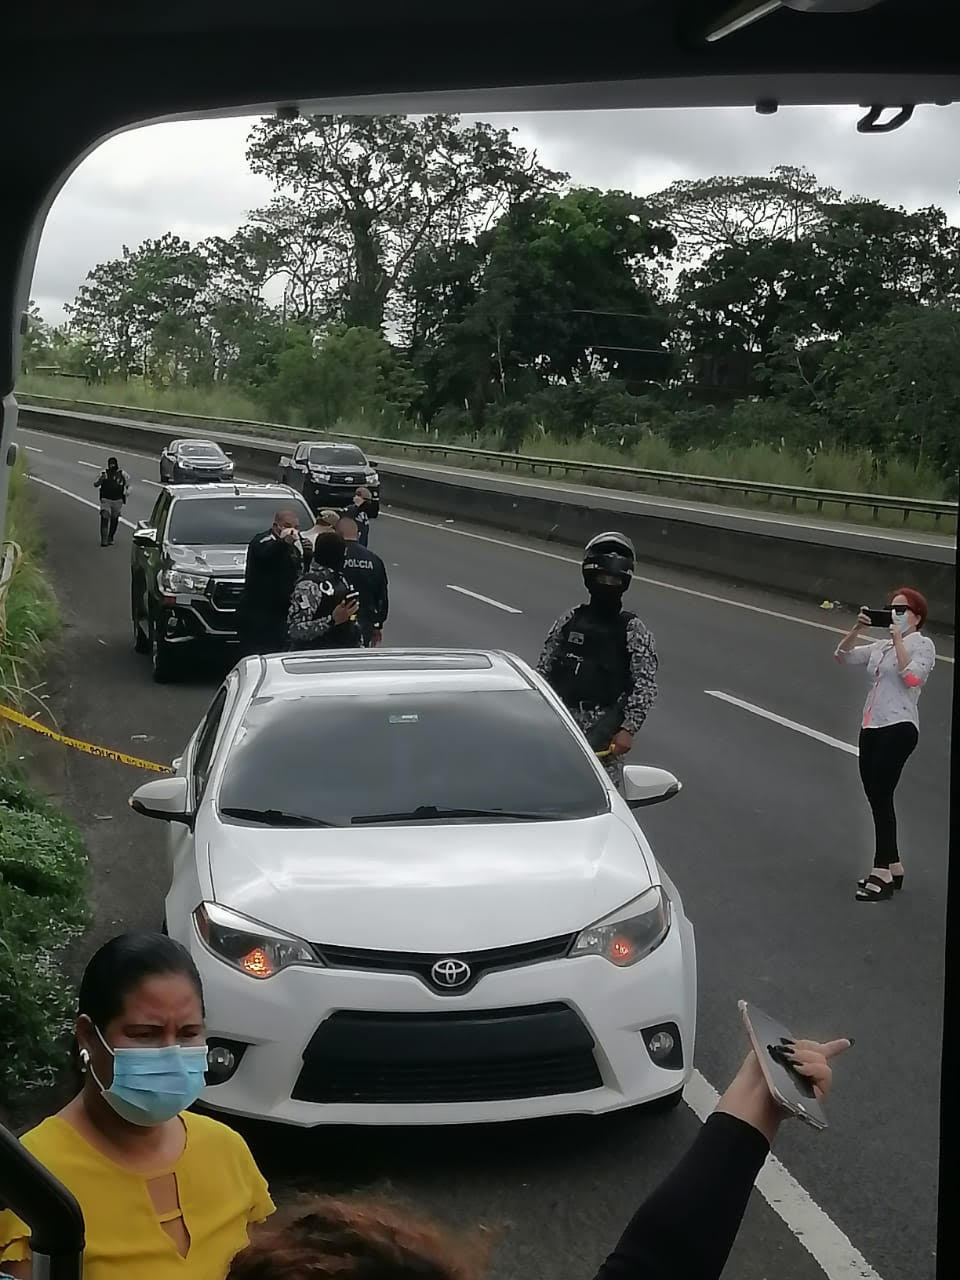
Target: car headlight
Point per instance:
(629, 934)
(322, 476)
(172, 581)
(372, 477)
(254, 948)
(228, 466)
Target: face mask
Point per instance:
(153, 1085)
(606, 599)
(903, 621)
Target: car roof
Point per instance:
(332, 444)
(230, 488)
(339, 673)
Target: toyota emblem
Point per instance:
(450, 973)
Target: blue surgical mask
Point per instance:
(903, 621)
(154, 1085)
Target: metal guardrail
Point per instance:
(535, 464)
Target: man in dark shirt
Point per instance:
(367, 574)
(362, 511)
(274, 562)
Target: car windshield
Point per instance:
(336, 455)
(201, 451)
(229, 521)
(408, 758)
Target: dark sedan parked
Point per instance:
(193, 461)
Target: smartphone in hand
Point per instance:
(788, 1088)
(879, 617)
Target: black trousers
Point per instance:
(262, 633)
(883, 753)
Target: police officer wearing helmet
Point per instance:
(601, 659)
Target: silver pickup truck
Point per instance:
(328, 474)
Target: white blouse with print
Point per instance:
(893, 693)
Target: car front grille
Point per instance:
(493, 1055)
(422, 965)
(226, 594)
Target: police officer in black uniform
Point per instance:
(367, 574)
(273, 565)
(601, 659)
(324, 606)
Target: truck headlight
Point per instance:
(322, 477)
(173, 581)
(254, 948)
(629, 934)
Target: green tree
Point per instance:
(140, 312)
(708, 215)
(370, 191)
(37, 339)
(894, 387)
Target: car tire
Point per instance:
(662, 1106)
(163, 657)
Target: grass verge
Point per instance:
(42, 859)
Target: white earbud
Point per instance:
(85, 1057)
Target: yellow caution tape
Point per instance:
(7, 713)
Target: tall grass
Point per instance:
(31, 615)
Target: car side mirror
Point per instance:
(145, 537)
(645, 785)
(165, 798)
(373, 464)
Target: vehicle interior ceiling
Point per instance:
(76, 72)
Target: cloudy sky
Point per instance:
(191, 178)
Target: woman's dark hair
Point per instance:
(122, 964)
(916, 601)
(354, 1240)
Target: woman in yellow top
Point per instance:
(164, 1192)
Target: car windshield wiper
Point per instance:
(434, 813)
(275, 818)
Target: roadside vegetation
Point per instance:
(42, 860)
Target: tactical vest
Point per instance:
(592, 665)
(334, 588)
(111, 487)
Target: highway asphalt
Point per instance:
(765, 844)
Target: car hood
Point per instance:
(229, 561)
(339, 471)
(431, 888)
(202, 464)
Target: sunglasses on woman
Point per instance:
(899, 608)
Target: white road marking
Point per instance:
(32, 448)
(787, 724)
(153, 483)
(650, 582)
(94, 465)
(87, 502)
(837, 1256)
(475, 595)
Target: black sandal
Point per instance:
(873, 889)
(897, 882)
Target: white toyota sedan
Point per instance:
(414, 897)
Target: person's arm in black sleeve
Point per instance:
(381, 606)
(686, 1228)
(688, 1225)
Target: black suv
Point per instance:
(187, 563)
(328, 475)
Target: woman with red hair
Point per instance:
(890, 728)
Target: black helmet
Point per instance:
(608, 555)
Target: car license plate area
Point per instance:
(485, 1056)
